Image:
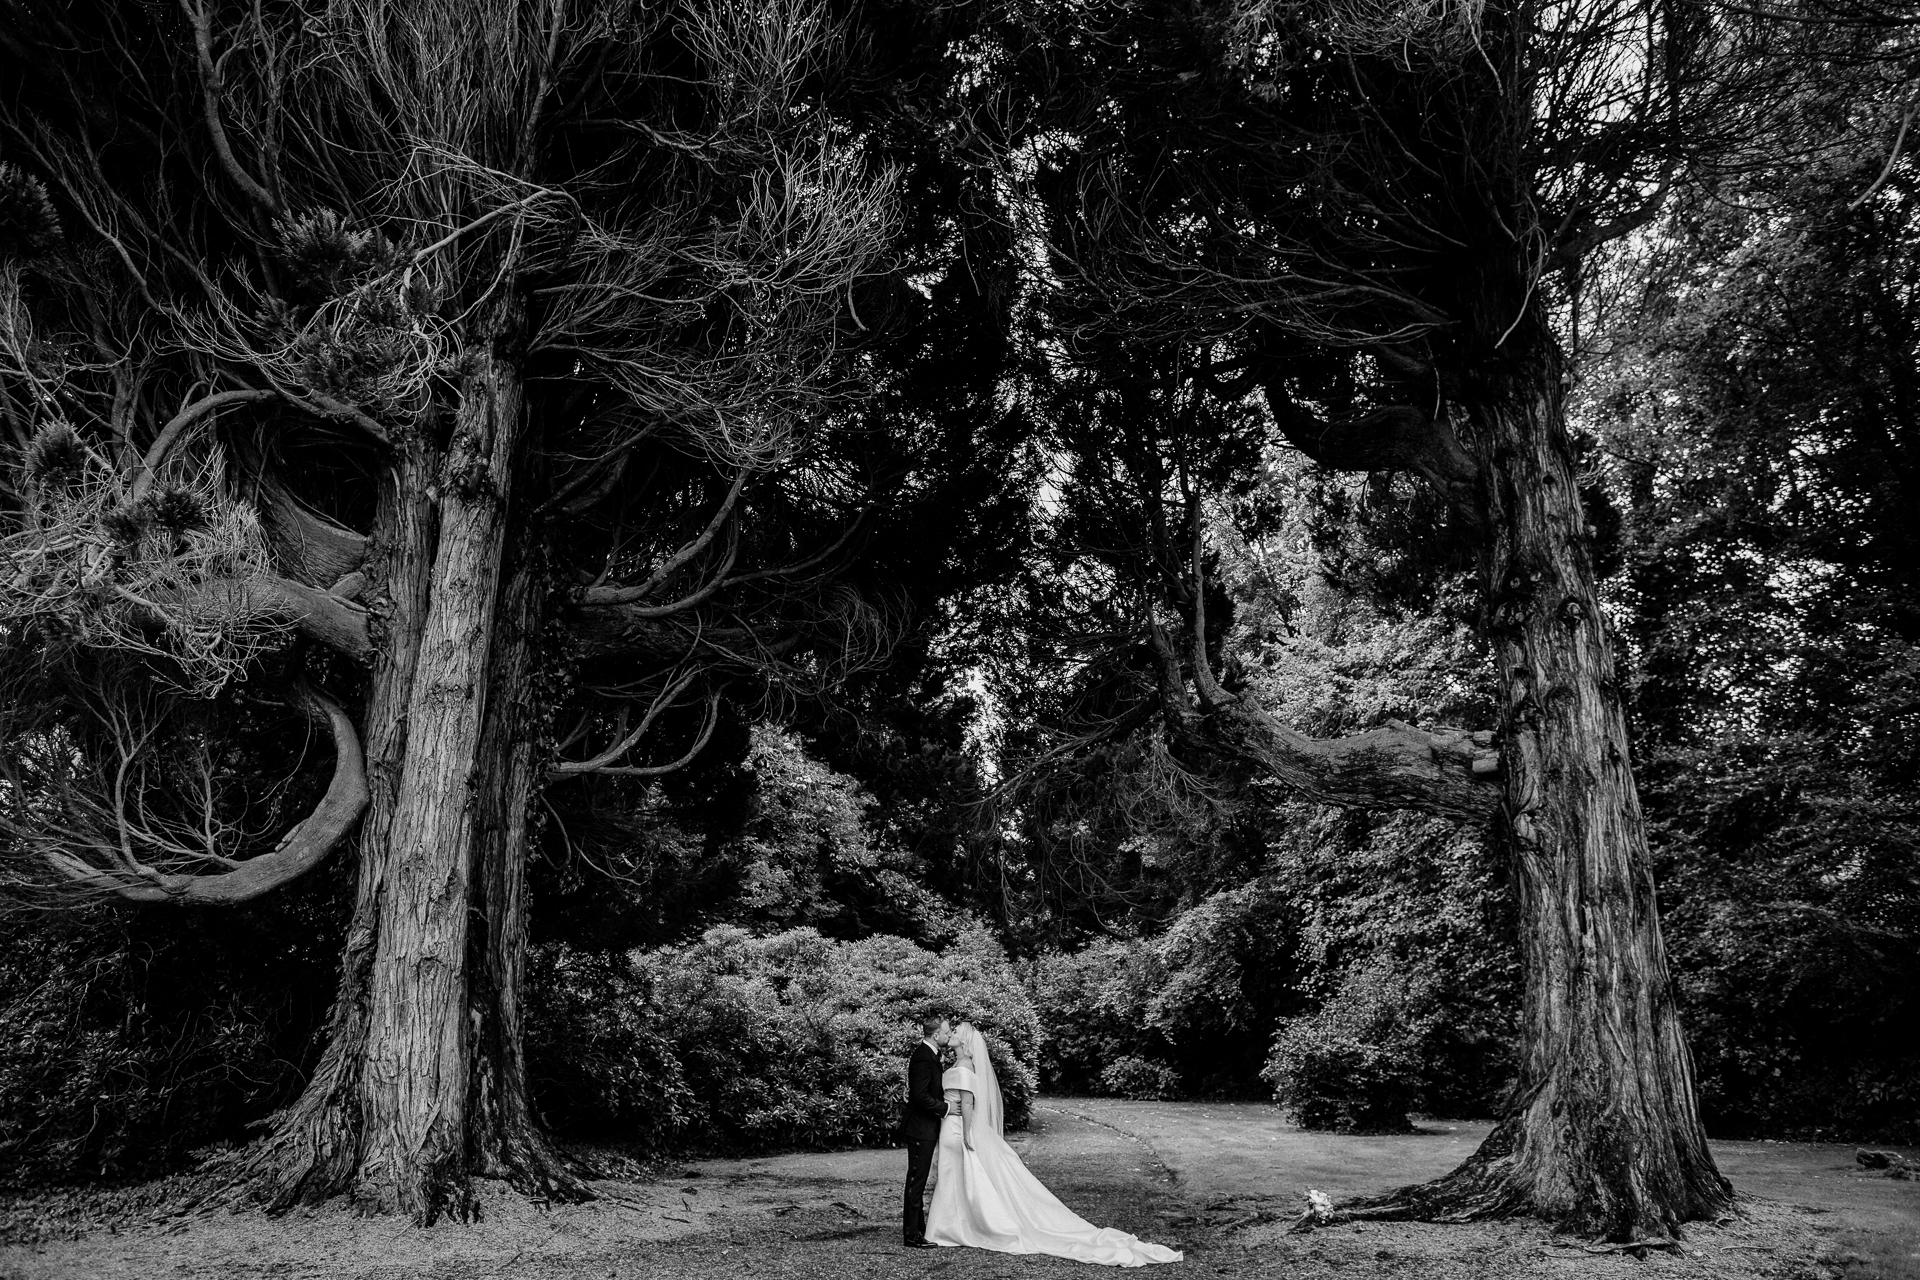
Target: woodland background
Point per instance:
(725, 961)
(724, 958)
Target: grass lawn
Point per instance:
(1218, 1180)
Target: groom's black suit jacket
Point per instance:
(926, 1103)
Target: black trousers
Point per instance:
(919, 1164)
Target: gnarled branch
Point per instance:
(202, 22)
(599, 764)
(664, 699)
(333, 620)
(301, 849)
(178, 424)
(305, 544)
(627, 595)
(1444, 771)
(1390, 438)
(1447, 771)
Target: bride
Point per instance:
(986, 1198)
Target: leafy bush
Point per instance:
(1139, 1078)
(128, 1039)
(741, 1043)
(1087, 1001)
(1198, 1002)
(1795, 935)
(599, 1053)
(1358, 1064)
(1349, 894)
(1227, 970)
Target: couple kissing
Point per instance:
(983, 1196)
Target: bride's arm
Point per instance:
(966, 1117)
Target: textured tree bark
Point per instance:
(507, 1141)
(314, 1150)
(448, 601)
(1604, 1136)
(416, 1073)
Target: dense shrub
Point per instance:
(1421, 898)
(1300, 952)
(742, 1043)
(1088, 1006)
(1359, 1063)
(600, 1052)
(129, 1038)
(1794, 927)
(1140, 1079)
(1198, 1002)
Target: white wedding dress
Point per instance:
(986, 1198)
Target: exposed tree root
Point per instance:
(313, 1156)
(1617, 1211)
(538, 1169)
(313, 1151)
(1638, 1248)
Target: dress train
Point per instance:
(987, 1199)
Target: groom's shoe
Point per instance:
(922, 1243)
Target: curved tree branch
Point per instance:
(1444, 771)
(333, 620)
(597, 597)
(1893, 157)
(305, 544)
(652, 770)
(325, 406)
(301, 849)
(665, 699)
(627, 595)
(1390, 438)
(202, 23)
(170, 434)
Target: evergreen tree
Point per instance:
(457, 375)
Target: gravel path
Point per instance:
(1220, 1181)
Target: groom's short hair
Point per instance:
(930, 1022)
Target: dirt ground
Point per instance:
(1218, 1180)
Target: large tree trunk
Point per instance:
(507, 1141)
(421, 1083)
(314, 1151)
(1604, 1136)
(416, 1075)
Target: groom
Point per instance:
(926, 1107)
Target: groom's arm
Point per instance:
(923, 1085)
